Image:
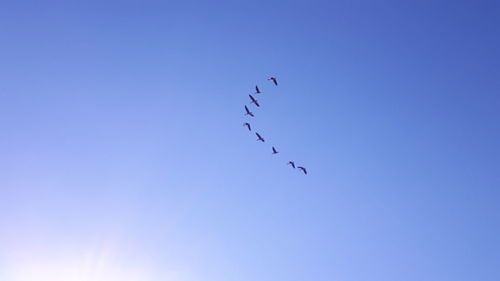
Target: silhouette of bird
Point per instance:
(254, 101)
(248, 126)
(303, 169)
(248, 112)
(275, 81)
(257, 90)
(275, 151)
(260, 138)
(291, 163)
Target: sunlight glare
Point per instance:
(87, 267)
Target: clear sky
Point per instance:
(123, 155)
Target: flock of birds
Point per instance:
(259, 137)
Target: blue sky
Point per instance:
(123, 155)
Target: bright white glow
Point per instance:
(87, 267)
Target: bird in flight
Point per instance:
(275, 151)
(260, 138)
(291, 163)
(254, 101)
(257, 90)
(275, 81)
(248, 112)
(303, 169)
(248, 126)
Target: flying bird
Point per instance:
(303, 169)
(275, 151)
(260, 138)
(248, 126)
(248, 112)
(291, 163)
(275, 81)
(257, 90)
(254, 101)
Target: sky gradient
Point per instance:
(123, 155)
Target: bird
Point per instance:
(275, 81)
(303, 169)
(291, 163)
(275, 151)
(254, 101)
(260, 138)
(257, 90)
(248, 126)
(248, 112)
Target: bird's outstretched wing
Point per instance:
(275, 81)
(248, 111)
(303, 169)
(254, 100)
(248, 126)
(260, 137)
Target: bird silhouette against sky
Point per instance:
(291, 163)
(248, 112)
(260, 138)
(254, 101)
(275, 151)
(275, 81)
(303, 169)
(248, 126)
(257, 90)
